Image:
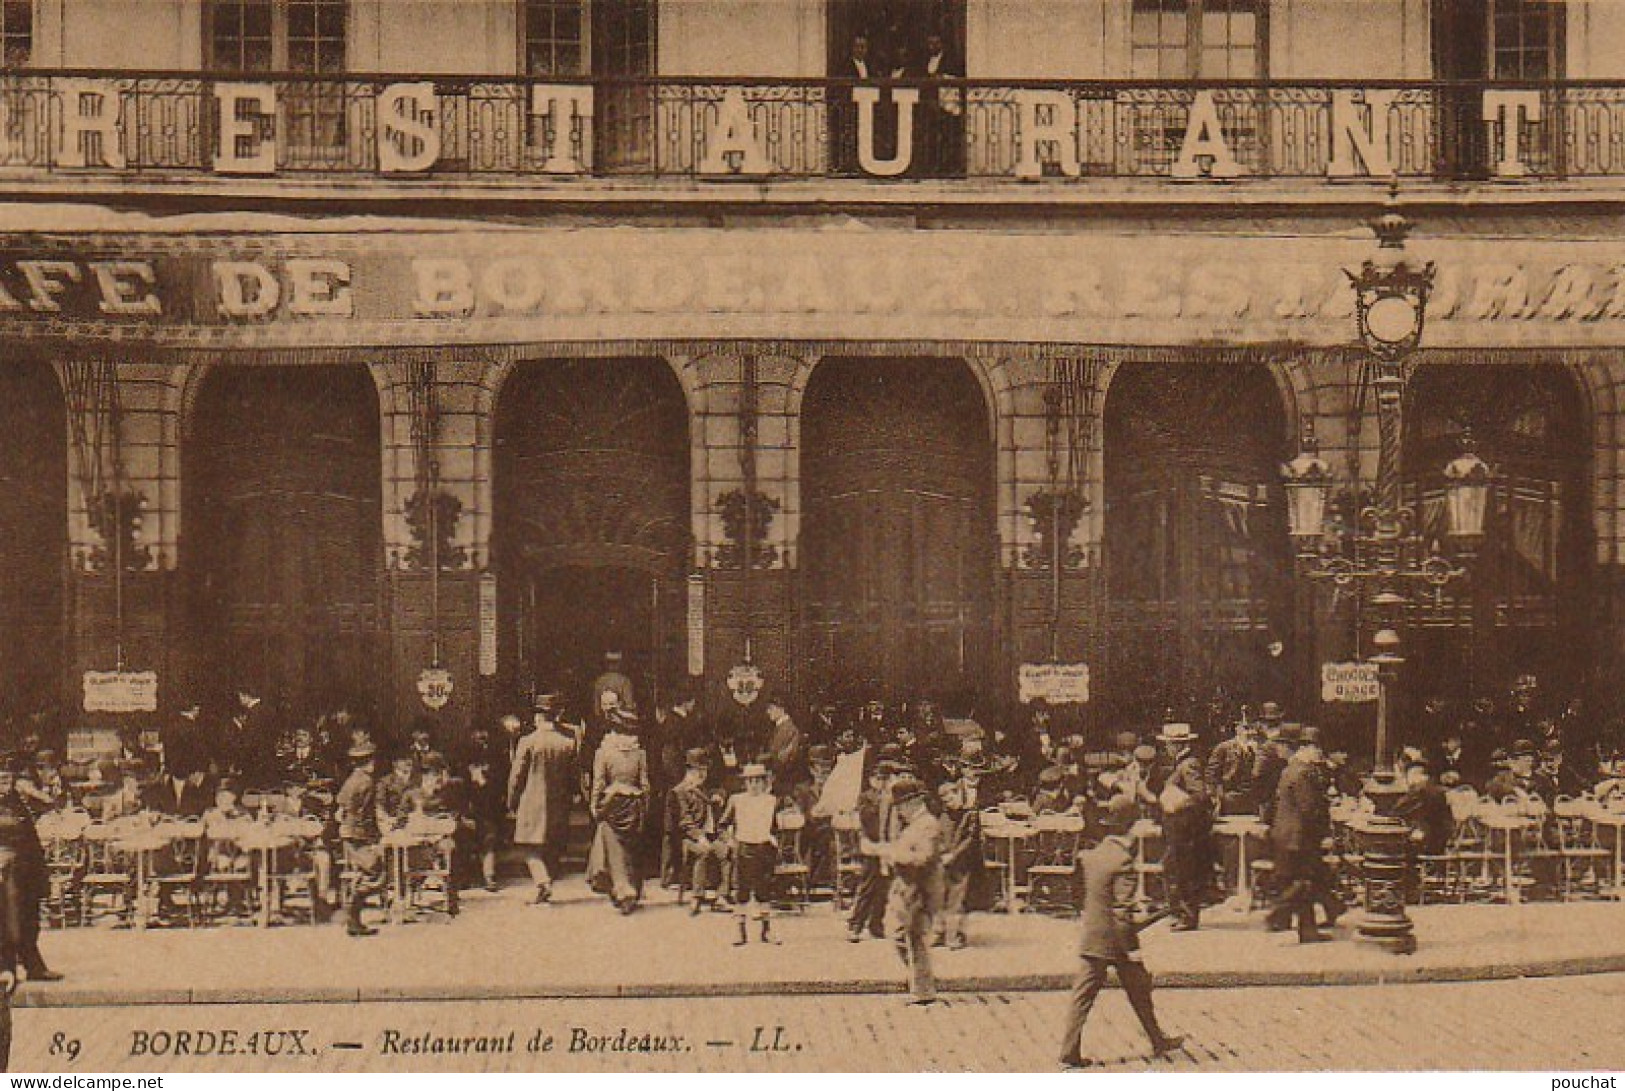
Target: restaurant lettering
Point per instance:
(89, 130)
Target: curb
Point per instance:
(1399, 974)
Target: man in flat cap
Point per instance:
(357, 805)
(915, 897)
(1110, 936)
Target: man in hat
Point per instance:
(1273, 755)
(1426, 810)
(1300, 824)
(874, 880)
(751, 815)
(613, 679)
(1230, 770)
(915, 896)
(1110, 938)
(1187, 820)
(784, 747)
(693, 825)
(539, 787)
(358, 830)
(26, 879)
(818, 838)
(1517, 780)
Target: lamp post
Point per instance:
(1385, 552)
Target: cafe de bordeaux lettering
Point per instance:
(89, 133)
(564, 277)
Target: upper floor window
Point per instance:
(553, 34)
(1526, 38)
(585, 37)
(1498, 39)
(1199, 39)
(278, 35)
(16, 32)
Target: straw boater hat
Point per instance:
(1176, 733)
(754, 770)
(364, 748)
(1270, 712)
(697, 758)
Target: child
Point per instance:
(750, 814)
(961, 854)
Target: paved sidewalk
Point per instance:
(502, 947)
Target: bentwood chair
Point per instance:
(1053, 872)
(1579, 849)
(792, 875)
(848, 857)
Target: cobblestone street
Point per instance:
(1564, 1024)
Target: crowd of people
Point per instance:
(704, 799)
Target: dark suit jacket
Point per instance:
(1302, 813)
(194, 799)
(1107, 880)
(1428, 810)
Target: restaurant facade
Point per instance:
(354, 372)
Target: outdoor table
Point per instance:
(143, 842)
(398, 846)
(1010, 835)
(1614, 819)
(1507, 823)
(265, 840)
(1241, 827)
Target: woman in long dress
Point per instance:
(620, 800)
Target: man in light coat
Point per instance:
(539, 787)
(915, 897)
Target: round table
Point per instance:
(1507, 823)
(1614, 819)
(1241, 827)
(1010, 835)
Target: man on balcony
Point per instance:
(939, 149)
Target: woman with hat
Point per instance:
(619, 802)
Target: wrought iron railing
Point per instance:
(471, 128)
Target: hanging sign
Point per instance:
(488, 625)
(121, 691)
(696, 625)
(745, 683)
(1056, 683)
(1348, 683)
(435, 686)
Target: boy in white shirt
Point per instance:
(750, 815)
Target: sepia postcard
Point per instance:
(687, 536)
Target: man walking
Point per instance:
(358, 829)
(915, 897)
(1302, 820)
(539, 795)
(1110, 938)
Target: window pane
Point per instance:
(330, 21)
(255, 20)
(301, 19)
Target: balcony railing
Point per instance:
(470, 129)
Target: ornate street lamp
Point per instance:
(1384, 548)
